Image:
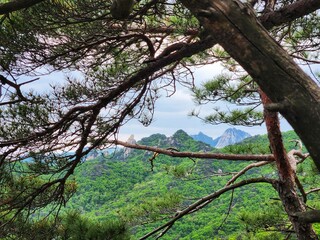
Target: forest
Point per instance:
(126, 54)
(147, 197)
(124, 196)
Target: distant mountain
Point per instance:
(205, 138)
(180, 140)
(231, 136)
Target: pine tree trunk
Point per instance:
(234, 26)
(286, 185)
(292, 92)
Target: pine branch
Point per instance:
(219, 156)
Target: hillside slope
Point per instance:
(128, 188)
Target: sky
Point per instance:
(171, 113)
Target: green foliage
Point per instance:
(239, 92)
(269, 217)
(70, 226)
(245, 117)
(128, 190)
(151, 207)
(75, 226)
(119, 195)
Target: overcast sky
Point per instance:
(171, 114)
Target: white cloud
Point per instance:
(171, 113)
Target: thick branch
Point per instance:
(237, 30)
(174, 153)
(16, 5)
(287, 175)
(308, 217)
(286, 172)
(289, 13)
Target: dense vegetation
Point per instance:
(121, 188)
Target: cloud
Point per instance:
(171, 113)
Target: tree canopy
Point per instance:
(127, 51)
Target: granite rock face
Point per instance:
(231, 136)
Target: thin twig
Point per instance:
(228, 213)
(244, 170)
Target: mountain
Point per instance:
(205, 138)
(230, 137)
(180, 140)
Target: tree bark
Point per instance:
(236, 28)
(289, 13)
(308, 217)
(16, 5)
(286, 185)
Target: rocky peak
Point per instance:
(127, 151)
(231, 136)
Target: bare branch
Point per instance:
(313, 190)
(289, 13)
(244, 170)
(16, 5)
(220, 156)
(308, 217)
(229, 210)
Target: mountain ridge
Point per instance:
(229, 137)
(202, 137)
(182, 141)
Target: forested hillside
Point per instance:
(144, 195)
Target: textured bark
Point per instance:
(202, 155)
(16, 5)
(235, 27)
(308, 217)
(286, 186)
(289, 13)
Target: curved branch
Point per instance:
(174, 153)
(289, 13)
(16, 5)
(195, 206)
(148, 70)
(244, 170)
